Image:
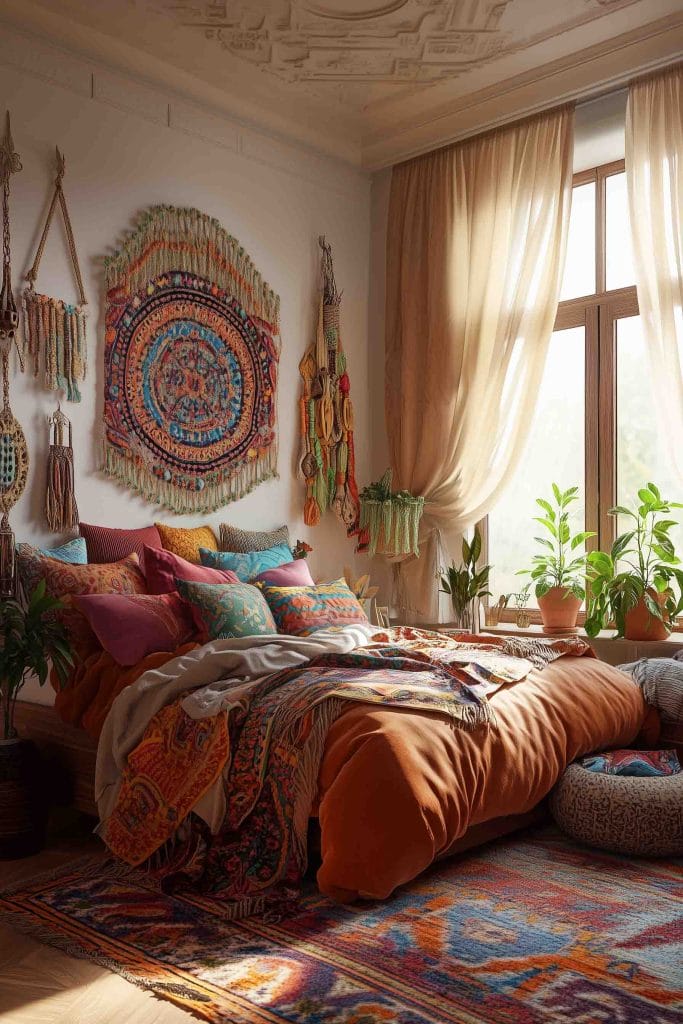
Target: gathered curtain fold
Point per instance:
(476, 243)
(654, 176)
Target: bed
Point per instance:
(398, 788)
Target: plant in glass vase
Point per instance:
(558, 572)
(466, 585)
(638, 586)
(30, 638)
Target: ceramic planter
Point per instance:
(23, 802)
(640, 624)
(559, 610)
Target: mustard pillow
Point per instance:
(186, 542)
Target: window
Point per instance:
(594, 425)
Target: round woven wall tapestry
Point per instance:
(190, 393)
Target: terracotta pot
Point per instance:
(559, 610)
(640, 624)
(23, 803)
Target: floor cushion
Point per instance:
(623, 814)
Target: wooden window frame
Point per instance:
(598, 314)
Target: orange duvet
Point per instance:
(398, 788)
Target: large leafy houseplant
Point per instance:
(30, 637)
(638, 585)
(559, 570)
(466, 585)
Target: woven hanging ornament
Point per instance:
(54, 330)
(13, 450)
(61, 510)
(391, 518)
(328, 463)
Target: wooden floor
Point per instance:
(41, 985)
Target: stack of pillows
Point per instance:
(138, 592)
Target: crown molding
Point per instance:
(589, 72)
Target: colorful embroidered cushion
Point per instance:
(162, 567)
(248, 564)
(303, 610)
(131, 626)
(73, 553)
(111, 544)
(186, 541)
(644, 763)
(291, 574)
(234, 539)
(227, 610)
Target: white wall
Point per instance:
(128, 147)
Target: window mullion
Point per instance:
(607, 422)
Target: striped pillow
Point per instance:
(234, 539)
(303, 610)
(111, 544)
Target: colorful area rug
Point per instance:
(526, 931)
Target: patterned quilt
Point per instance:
(266, 743)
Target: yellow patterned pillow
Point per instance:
(186, 542)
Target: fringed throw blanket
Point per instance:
(264, 741)
(190, 364)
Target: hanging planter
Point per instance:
(391, 518)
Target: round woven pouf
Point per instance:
(623, 814)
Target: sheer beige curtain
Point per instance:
(654, 174)
(475, 254)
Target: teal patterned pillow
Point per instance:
(73, 551)
(224, 610)
(249, 564)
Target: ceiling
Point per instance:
(373, 81)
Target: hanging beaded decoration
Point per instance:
(328, 463)
(53, 327)
(13, 450)
(61, 510)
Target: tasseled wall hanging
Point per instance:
(392, 518)
(61, 510)
(13, 450)
(191, 362)
(328, 462)
(54, 331)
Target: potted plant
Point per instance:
(558, 573)
(30, 637)
(466, 585)
(638, 586)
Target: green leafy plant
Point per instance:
(30, 637)
(557, 565)
(465, 584)
(651, 572)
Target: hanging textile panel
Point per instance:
(191, 363)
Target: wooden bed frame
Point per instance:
(69, 754)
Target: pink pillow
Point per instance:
(131, 626)
(162, 567)
(291, 574)
(110, 544)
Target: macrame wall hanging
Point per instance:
(54, 331)
(13, 450)
(61, 510)
(391, 518)
(328, 462)
(191, 362)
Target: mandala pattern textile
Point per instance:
(187, 541)
(531, 930)
(301, 610)
(190, 364)
(247, 565)
(227, 610)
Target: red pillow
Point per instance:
(162, 567)
(109, 544)
(131, 626)
(291, 574)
